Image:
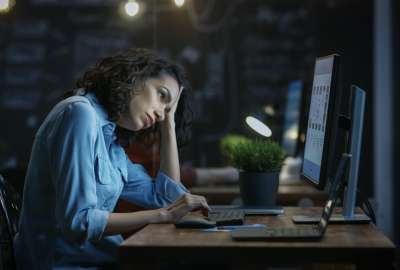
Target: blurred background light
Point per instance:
(269, 110)
(132, 8)
(179, 3)
(6, 5)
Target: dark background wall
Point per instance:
(239, 55)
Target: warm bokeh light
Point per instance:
(179, 3)
(269, 110)
(292, 133)
(302, 138)
(5, 5)
(132, 8)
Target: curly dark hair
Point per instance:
(115, 79)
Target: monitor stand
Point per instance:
(348, 215)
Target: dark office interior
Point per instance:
(239, 56)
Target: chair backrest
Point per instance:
(9, 213)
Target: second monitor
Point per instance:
(324, 123)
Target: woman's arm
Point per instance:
(71, 143)
(169, 157)
(127, 222)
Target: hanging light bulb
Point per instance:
(131, 8)
(179, 3)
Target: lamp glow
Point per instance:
(132, 8)
(179, 3)
(258, 126)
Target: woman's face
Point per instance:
(150, 104)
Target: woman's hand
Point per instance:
(170, 115)
(186, 203)
(169, 156)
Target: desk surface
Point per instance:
(341, 244)
(289, 194)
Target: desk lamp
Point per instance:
(258, 126)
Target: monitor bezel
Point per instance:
(331, 126)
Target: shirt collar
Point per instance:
(103, 115)
(107, 126)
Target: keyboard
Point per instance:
(227, 217)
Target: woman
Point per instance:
(78, 169)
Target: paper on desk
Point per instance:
(234, 227)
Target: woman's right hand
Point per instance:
(186, 203)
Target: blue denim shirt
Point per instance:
(76, 174)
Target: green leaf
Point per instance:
(252, 155)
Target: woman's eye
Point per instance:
(162, 94)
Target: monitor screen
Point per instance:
(320, 121)
(290, 134)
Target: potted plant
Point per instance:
(259, 163)
(228, 142)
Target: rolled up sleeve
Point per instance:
(72, 143)
(147, 192)
(97, 222)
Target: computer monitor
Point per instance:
(319, 149)
(290, 133)
(324, 123)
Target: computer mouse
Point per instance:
(195, 223)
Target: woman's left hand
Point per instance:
(169, 156)
(170, 115)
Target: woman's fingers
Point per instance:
(199, 201)
(186, 203)
(203, 202)
(175, 105)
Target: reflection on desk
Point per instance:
(363, 245)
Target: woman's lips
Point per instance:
(150, 120)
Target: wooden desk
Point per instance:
(289, 194)
(362, 245)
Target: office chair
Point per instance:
(9, 213)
